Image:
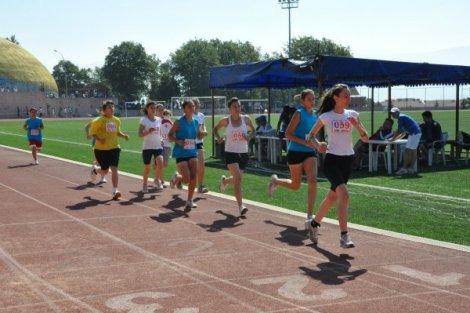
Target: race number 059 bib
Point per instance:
(340, 126)
(111, 127)
(189, 144)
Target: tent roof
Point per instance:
(330, 70)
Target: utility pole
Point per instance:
(289, 4)
(65, 71)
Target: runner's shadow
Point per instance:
(21, 165)
(172, 205)
(90, 202)
(85, 186)
(335, 271)
(139, 198)
(175, 202)
(290, 235)
(230, 221)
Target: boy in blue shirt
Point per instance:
(407, 125)
(34, 127)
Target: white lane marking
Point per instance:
(175, 266)
(200, 246)
(125, 303)
(443, 280)
(9, 259)
(293, 288)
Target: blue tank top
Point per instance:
(187, 131)
(307, 120)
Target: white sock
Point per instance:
(114, 190)
(309, 216)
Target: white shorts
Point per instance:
(413, 142)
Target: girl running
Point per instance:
(236, 148)
(338, 123)
(152, 148)
(200, 147)
(167, 124)
(106, 130)
(34, 127)
(301, 154)
(184, 133)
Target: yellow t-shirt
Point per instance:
(107, 129)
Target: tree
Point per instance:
(67, 73)
(164, 85)
(306, 47)
(129, 70)
(231, 52)
(13, 39)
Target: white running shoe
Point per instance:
(36, 162)
(103, 179)
(116, 195)
(313, 233)
(401, 171)
(202, 189)
(158, 186)
(272, 184)
(222, 184)
(189, 205)
(144, 189)
(93, 173)
(345, 241)
(174, 180)
(243, 209)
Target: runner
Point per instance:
(338, 123)
(34, 127)
(236, 148)
(184, 133)
(149, 130)
(301, 154)
(93, 141)
(200, 147)
(166, 126)
(106, 130)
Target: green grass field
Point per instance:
(442, 213)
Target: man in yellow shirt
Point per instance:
(106, 130)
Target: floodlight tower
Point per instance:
(289, 4)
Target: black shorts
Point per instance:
(337, 169)
(200, 146)
(147, 155)
(297, 157)
(107, 158)
(178, 160)
(240, 158)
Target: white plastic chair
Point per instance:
(375, 155)
(432, 150)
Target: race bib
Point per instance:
(341, 126)
(34, 132)
(189, 144)
(238, 136)
(111, 127)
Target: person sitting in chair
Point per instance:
(431, 132)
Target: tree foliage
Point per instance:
(68, 74)
(164, 85)
(306, 47)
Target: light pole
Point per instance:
(65, 71)
(289, 4)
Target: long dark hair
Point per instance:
(147, 106)
(328, 101)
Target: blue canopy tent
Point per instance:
(325, 71)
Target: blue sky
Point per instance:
(434, 31)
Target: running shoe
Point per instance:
(189, 206)
(345, 241)
(93, 173)
(272, 184)
(313, 233)
(116, 195)
(202, 189)
(242, 209)
(222, 184)
(144, 189)
(103, 179)
(158, 186)
(174, 180)
(36, 162)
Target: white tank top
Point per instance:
(234, 141)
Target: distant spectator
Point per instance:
(263, 129)
(284, 120)
(431, 132)
(406, 125)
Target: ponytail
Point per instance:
(328, 101)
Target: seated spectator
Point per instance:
(385, 132)
(263, 129)
(463, 143)
(431, 132)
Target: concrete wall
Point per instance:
(16, 104)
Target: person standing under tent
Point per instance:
(184, 133)
(338, 123)
(167, 124)
(34, 126)
(406, 125)
(200, 147)
(105, 130)
(301, 154)
(93, 141)
(149, 130)
(237, 137)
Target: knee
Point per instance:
(296, 185)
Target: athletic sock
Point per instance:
(114, 190)
(315, 223)
(309, 216)
(344, 232)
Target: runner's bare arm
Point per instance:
(356, 122)
(221, 124)
(172, 136)
(249, 123)
(320, 146)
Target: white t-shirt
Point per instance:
(200, 120)
(338, 131)
(165, 129)
(154, 139)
